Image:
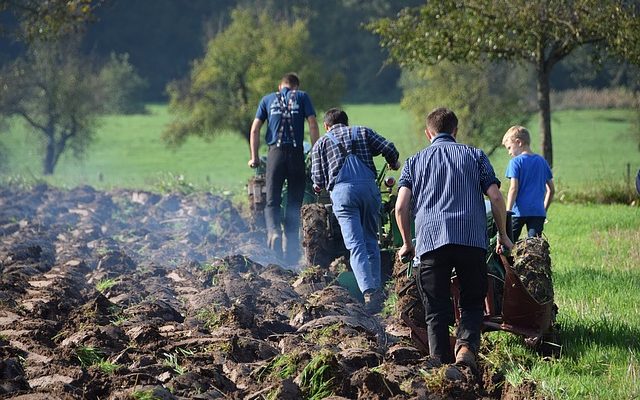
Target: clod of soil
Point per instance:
(532, 264)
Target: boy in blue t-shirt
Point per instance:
(531, 188)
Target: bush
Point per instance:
(589, 98)
(612, 192)
(120, 87)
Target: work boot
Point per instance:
(465, 357)
(373, 300)
(274, 241)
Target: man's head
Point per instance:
(441, 120)
(289, 80)
(335, 116)
(516, 140)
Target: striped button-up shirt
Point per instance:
(327, 160)
(447, 182)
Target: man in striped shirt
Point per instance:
(342, 163)
(443, 187)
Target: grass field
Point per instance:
(595, 251)
(590, 147)
(595, 248)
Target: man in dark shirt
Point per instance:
(285, 111)
(342, 163)
(443, 187)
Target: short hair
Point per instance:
(517, 132)
(335, 116)
(291, 79)
(442, 120)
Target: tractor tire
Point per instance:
(257, 202)
(409, 307)
(409, 303)
(320, 242)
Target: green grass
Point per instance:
(591, 147)
(595, 251)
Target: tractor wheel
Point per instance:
(317, 241)
(257, 202)
(409, 304)
(409, 307)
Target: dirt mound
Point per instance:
(321, 242)
(130, 294)
(532, 264)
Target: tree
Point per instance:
(241, 64)
(539, 32)
(487, 98)
(59, 94)
(46, 19)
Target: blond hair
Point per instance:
(517, 132)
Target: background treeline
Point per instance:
(163, 37)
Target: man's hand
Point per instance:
(503, 242)
(254, 163)
(406, 252)
(395, 166)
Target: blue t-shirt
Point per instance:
(270, 110)
(532, 173)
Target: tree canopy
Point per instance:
(487, 98)
(538, 32)
(242, 64)
(40, 20)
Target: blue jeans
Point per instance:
(433, 280)
(357, 208)
(534, 226)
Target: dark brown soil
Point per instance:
(127, 294)
(532, 264)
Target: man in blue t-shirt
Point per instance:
(531, 188)
(285, 112)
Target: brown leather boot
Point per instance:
(465, 357)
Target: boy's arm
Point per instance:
(512, 194)
(548, 197)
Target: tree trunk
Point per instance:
(246, 131)
(49, 161)
(544, 109)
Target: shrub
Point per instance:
(120, 86)
(611, 192)
(589, 98)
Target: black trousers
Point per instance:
(433, 279)
(285, 163)
(535, 225)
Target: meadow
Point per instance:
(591, 147)
(595, 247)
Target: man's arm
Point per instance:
(548, 197)
(512, 194)
(380, 145)
(403, 217)
(314, 132)
(499, 216)
(317, 169)
(254, 143)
